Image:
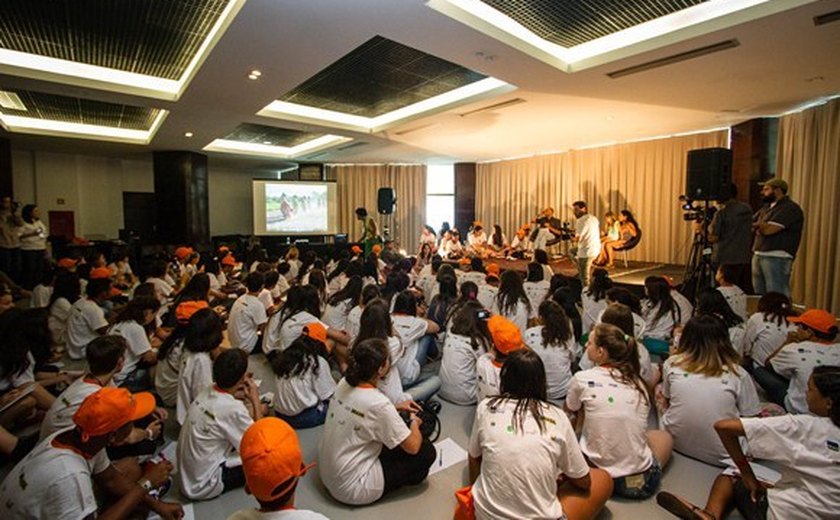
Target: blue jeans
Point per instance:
(771, 274)
(309, 418)
(774, 385)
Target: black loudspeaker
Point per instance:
(385, 200)
(709, 173)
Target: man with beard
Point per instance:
(778, 231)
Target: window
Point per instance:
(440, 195)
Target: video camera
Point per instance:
(693, 212)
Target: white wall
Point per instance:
(92, 188)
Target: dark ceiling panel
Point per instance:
(152, 37)
(572, 22)
(269, 135)
(76, 110)
(378, 77)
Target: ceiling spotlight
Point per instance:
(188, 134)
(267, 142)
(254, 74)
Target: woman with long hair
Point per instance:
(367, 450)
(512, 301)
(202, 344)
(554, 342)
(137, 371)
(768, 328)
(341, 303)
(536, 287)
(497, 242)
(443, 300)
(66, 291)
(712, 302)
(661, 313)
(376, 324)
(594, 297)
(616, 404)
(354, 317)
(467, 340)
(702, 383)
(628, 230)
(520, 444)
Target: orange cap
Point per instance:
(376, 249)
(356, 249)
(100, 273)
(817, 319)
(506, 335)
(520, 233)
(114, 292)
(464, 261)
(229, 260)
(315, 331)
(67, 263)
(477, 223)
(492, 269)
(271, 456)
(185, 310)
(183, 252)
(109, 409)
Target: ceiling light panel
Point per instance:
(268, 141)
(144, 47)
(251, 133)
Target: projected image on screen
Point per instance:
(292, 209)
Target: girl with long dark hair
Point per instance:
(376, 324)
(594, 297)
(661, 314)
(140, 357)
(536, 287)
(554, 342)
(512, 301)
(712, 302)
(467, 340)
(341, 303)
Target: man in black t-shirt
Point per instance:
(778, 231)
(730, 233)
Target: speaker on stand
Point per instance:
(386, 203)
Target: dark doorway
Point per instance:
(139, 214)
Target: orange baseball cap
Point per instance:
(100, 273)
(464, 261)
(356, 249)
(376, 249)
(183, 252)
(492, 269)
(271, 458)
(185, 310)
(109, 409)
(229, 260)
(506, 335)
(67, 263)
(315, 331)
(817, 319)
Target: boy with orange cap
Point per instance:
(273, 465)
(506, 339)
(56, 480)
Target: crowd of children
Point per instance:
(579, 395)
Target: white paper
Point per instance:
(189, 513)
(449, 453)
(762, 473)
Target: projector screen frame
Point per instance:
(259, 201)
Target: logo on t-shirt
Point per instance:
(833, 445)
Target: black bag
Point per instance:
(430, 428)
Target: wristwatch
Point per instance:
(146, 484)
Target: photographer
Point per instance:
(730, 234)
(10, 223)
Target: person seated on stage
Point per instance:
(497, 244)
(521, 243)
(628, 230)
(451, 247)
(477, 239)
(612, 228)
(542, 237)
(427, 236)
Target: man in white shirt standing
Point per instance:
(588, 239)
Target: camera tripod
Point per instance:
(699, 271)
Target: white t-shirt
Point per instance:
(796, 361)
(22, 378)
(60, 415)
(736, 298)
(335, 316)
(138, 345)
(290, 330)
(285, 514)
(588, 232)
(410, 330)
(354, 319)
(519, 469)
(391, 384)
(458, 376)
(661, 328)
(166, 374)
(337, 283)
(209, 437)
(195, 376)
(360, 422)
(762, 336)
(54, 483)
(698, 401)
(519, 316)
(36, 242)
(471, 276)
(615, 423)
(536, 292)
(297, 393)
(246, 317)
(426, 282)
(86, 318)
(41, 295)
(736, 337)
(477, 239)
(162, 289)
(592, 311)
(266, 299)
(805, 447)
(489, 376)
(57, 321)
(487, 295)
(686, 308)
(557, 360)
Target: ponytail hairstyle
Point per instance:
(705, 347)
(511, 293)
(535, 272)
(523, 380)
(776, 308)
(659, 294)
(366, 358)
(711, 301)
(556, 330)
(827, 381)
(299, 358)
(351, 291)
(467, 323)
(600, 284)
(623, 355)
(375, 322)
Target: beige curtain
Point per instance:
(645, 177)
(358, 185)
(809, 160)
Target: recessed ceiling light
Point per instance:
(256, 73)
(11, 101)
(267, 142)
(188, 134)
